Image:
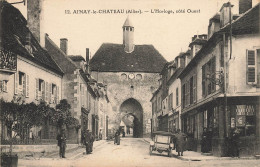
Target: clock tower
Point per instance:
(128, 36)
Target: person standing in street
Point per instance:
(234, 142)
(180, 141)
(89, 140)
(117, 138)
(61, 137)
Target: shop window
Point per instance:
(245, 119)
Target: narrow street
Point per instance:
(131, 152)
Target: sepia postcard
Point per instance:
(129, 83)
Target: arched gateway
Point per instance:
(133, 108)
(131, 74)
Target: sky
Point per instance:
(169, 33)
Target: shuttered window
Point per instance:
(37, 89)
(251, 67)
(203, 80)
(50, 92)
(47, 92)
(258, 67)
(213, 73)
(177, 97)
(3, 86)
(15, 83)
(43, 90)
(27, 86)
(194, 88)
(58, 94)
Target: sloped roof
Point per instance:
(198, 41)
(247, 23)
(128, 23)
(65, 63)
(14, 34)
(112, 58)
(76, 58)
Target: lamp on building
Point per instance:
(214, 79)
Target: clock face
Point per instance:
(131, 76)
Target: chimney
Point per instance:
(244, 5)
(87, 55)
(226, 14)
(35, 19)
(64, 45)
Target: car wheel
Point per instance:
(150, 150)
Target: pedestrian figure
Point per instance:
(100, 134)
(61, 137)
(179, 142)
(128, 130)
(89, 140)
(117, 138)
(206, 141)
(234, 141)
(123, 133)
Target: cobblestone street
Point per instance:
(131, 152)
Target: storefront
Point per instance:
(242, 115)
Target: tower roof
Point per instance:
(128, 23)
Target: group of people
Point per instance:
(87, 139)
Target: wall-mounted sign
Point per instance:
(245, 110)
(8, 60)
(241, 120)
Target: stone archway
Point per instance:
(133, 107)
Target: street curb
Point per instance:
(217, 158)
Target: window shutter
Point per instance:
(50, 93)
(47, 92)
(213, 71)
(24, 84)
(5, 86)
(16, 83)
(258, 67)
(43, 90)
(177, 97)
(194, 88)
(37, 89)
(188, 92)
(27, 85)
(58, 95)
(1, 86)
(251, 67)
(203, 81)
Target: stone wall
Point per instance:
(122, 86)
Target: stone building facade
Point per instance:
(227, 84)
(131, 73)
(27, 71)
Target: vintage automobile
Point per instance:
(162, 142)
